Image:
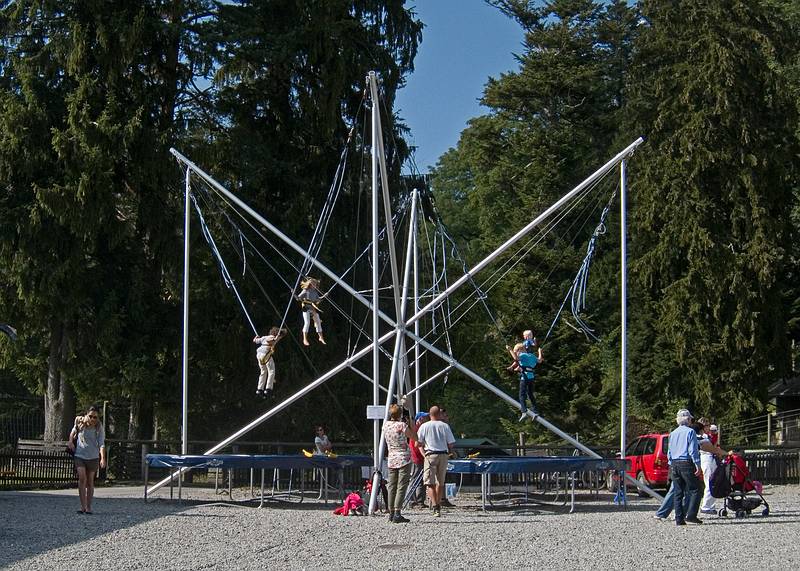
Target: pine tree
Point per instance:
(713, 187)
(87, 107)
(550, 123)
(288, 86)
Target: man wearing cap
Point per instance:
(684, 461)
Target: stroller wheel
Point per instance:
(765, 512)
(739, 513)
(723, 513)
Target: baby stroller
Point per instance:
(732, 482)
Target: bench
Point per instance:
(42, 446)
(36, 463)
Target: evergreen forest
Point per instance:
(269, 96)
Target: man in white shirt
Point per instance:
(436, 439)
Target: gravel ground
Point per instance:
(41, 531)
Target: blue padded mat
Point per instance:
(531, 464)
(255, 461)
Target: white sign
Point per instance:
(375, 411)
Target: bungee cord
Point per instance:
(226, 276)
(577, 291)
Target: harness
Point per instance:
(525, 369)
(523, 373)
(310, 305)
(264, 359)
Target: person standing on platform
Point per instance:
(684, 462)
(87, 440)
(437, 441)
(396, 434)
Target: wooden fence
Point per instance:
(33, 465)
(774, 466)
(43, 468)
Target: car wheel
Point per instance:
(642, 480)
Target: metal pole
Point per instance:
(599, 173)
(387, 210)
(185, 365)
(623, 223)
(397, 364)
(387, 201)
(375, 272)
(407, 272)
(769, 429)
(415, 229)
(415, 390)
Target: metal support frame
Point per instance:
(623, 405)
(401, 325)
(185, 349)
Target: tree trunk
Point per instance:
(59, 398)
(140, 419)
(134, 419)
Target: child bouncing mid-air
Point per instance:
(527, 363)
(309, 297)
(528, 341)
(266, 364)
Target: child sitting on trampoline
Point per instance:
(266, 364)
(528, 341)
(309, 297)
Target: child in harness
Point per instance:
(266, 364)
(309, 298)
(527, 364)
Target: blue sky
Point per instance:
(464, 42)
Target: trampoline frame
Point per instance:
(301, 464)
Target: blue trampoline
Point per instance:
(293, 463)
(561, 468)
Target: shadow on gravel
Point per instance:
(34, 523)
(547, 509)
(772, 519)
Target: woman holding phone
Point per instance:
(87, 440)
